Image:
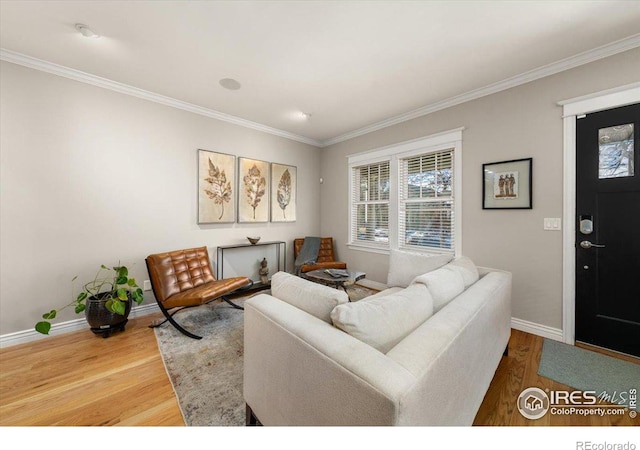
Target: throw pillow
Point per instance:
(313, 298)
(382, 322)
(467, 269)
(405, 266)
(444, 284)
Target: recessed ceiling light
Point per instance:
(295, 115)
(230, 83)
(86, 31)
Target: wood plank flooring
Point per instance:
(81, 379)
(519, 371)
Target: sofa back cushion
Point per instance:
(382, 322)
(313, 298)
(466, 268)
(405, 266)
(444, 284)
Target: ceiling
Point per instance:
(352, 65)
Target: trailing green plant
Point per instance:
(116, 288)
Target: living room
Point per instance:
(99, 161)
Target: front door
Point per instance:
(608, 229)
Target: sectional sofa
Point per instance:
(422, 352)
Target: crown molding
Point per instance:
(83, 77)
(580, 59)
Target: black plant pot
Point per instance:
(102, 321)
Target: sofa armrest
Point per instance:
(485, 270)
(299, 370)
(455, 353)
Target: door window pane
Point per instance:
(616, 151)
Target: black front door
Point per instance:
(608, 229)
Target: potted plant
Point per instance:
(105, 300)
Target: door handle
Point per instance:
(587, 244)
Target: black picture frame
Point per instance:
(508, 184)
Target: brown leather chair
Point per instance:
(184, 278)
(326, 258)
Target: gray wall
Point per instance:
(517, 123)
(90, 177)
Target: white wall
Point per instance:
(517, 123)
(89, 177)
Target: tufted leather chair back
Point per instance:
(179, 270)
(325, 254)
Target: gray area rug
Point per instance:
(586, 370)
(206, 374)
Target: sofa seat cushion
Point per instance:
(444, 284)
(384, 321)
(313, 298)
(405, 266)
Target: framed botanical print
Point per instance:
(507, 184)
(283, 192)
(253, 190)
(216, 184)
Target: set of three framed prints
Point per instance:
(255, 191)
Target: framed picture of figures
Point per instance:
(216, 187)
(507, 184)
(283, 192)
(253, 190)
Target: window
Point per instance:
(616, 151)
(370, 204)
(426, 215)
(406, 196)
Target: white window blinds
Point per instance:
(370, 204)
(426, 202)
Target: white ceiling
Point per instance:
(352, 65)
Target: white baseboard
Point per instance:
(21, 337)
(537, 329)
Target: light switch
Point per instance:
(553, 223)
(146, 285)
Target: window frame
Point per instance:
(404, 202)
(353, 203)
(451, 139)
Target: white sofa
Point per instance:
(312, 358)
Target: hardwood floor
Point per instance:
(81, 379)
(519, 371)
